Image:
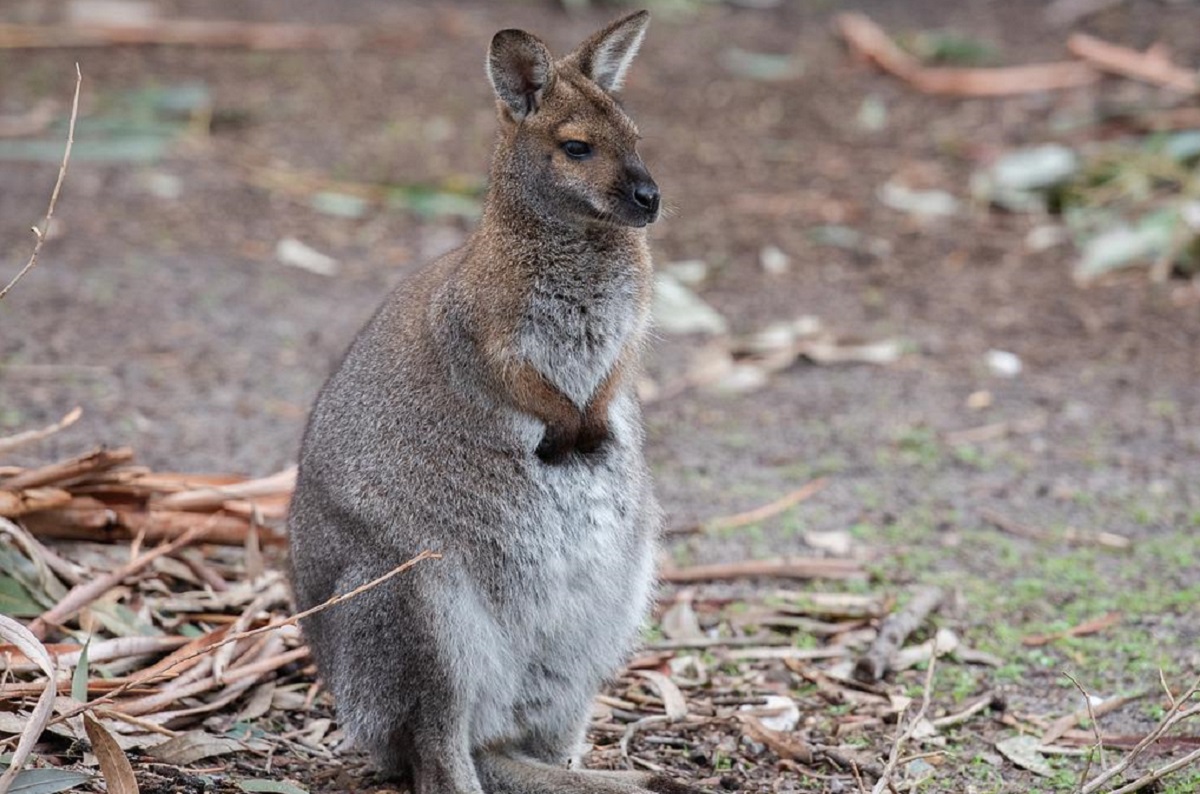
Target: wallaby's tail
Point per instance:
(504, 774)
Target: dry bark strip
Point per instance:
(89, 519)
(59, 473)
(875, 663)
(758, 514)
(870, 41)
(31, 500)
(203, 33)
(787, 568)
(1153, 66)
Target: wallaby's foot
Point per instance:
(648, 781)
(661, 784)
(556, 445)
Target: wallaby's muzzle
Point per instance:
(642, 193)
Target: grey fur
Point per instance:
(475, 672)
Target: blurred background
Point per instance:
(967, 296)
(854, 270)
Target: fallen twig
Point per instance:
(200, 33)
(1152, 66)
(875, 663)
(217, 496)
(1070, 534)
(1087, 627)
(758, 514)
(59, 473)
(41, 233)
(1175, 714)
(885, 780)
(1066, 723)
(790, 568)
(870, 41)
(29, 436)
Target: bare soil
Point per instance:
(171, 322)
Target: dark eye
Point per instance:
(577, 149)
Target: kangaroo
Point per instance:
(487, 413)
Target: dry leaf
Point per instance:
(193, 746)
(1024, 752)
(673, 700)
(114, 766)
(18, 635)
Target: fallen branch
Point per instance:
(31, 500)
(41, 233)
(1109, 540)
(871, 42)
(788, 568)
(29, 436)
(875, 663)
(84, 519)
(281, 483)
(758, 514)
(199, 33)
(1152, 66)
(59, 473)
(1083, 629)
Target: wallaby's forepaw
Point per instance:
(556, 445)
(592, 437)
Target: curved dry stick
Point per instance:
(62, 174)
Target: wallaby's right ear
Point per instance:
(521, 69)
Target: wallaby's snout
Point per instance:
(643, 191)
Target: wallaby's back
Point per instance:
(487, 413)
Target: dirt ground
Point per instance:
(166, 315)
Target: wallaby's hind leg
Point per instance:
(445, 769)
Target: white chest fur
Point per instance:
(575, 328)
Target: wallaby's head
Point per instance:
(566, 148)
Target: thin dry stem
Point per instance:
(1174, 716)
(889, 769)
(40, 234)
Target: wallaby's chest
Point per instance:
(575, 326)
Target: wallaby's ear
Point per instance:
(521, 69)
(605, 56)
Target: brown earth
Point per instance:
(170, 321)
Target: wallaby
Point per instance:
(487, 412)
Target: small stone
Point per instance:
(773, 260)
(291, 251)
(1004, 364)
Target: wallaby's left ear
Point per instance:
(521, 70)
(605, 56)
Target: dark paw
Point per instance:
(555, 447)
(592, 438)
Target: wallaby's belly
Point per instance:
(584, 559)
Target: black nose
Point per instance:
(645, 195)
